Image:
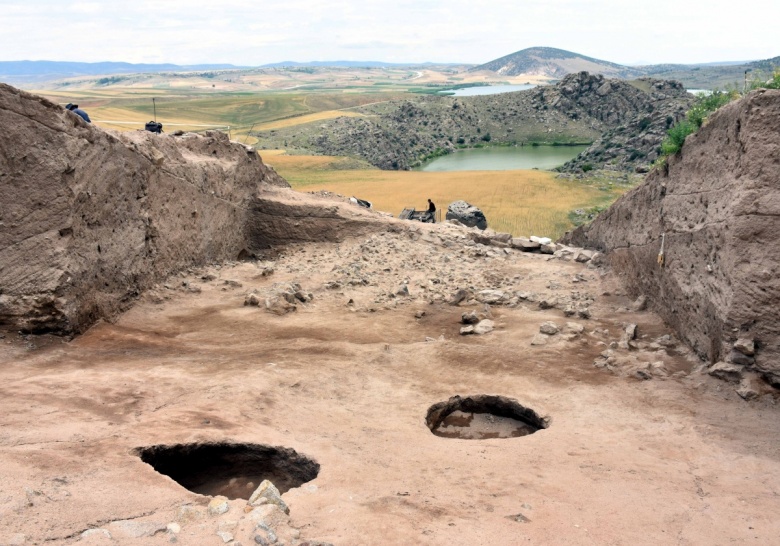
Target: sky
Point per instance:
(256, 32)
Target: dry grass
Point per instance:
(519, 202)
(298, 120)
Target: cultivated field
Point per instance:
(126, 109)
(519, 202)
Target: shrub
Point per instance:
(486, 137)
(587, 167)
(695, 118)
(676, 137)
(707, 104)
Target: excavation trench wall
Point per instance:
(90, 218)
(718, 204)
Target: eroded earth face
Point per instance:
(347, 348)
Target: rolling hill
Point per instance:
(555, 64)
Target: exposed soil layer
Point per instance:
(89, 218)
(717, 207)
(230, 470)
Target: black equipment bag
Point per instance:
(154, 127)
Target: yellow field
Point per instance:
(298, 120)
(519, 202)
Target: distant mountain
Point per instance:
(55, 70)
(349, 64)
(554, 63)
(713, 75)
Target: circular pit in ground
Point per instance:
(483, 416)
(231, 470)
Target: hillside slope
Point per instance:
(717, 206)
(402, 134)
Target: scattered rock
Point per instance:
(549, 328)
(469, 318)
(484, 327)
(575, 327)
(739, 358)
(252, 299)
(419, 314)
(539, 339)
(459, 297)
(218, 506)
(467, 330)
(745, 346)
(726, 371)
(630, 332)
(492, 296)
(267, 493)
(640, 304)
(526, 245)
(501, 238)
(583, 256)
(278, 305)
(644, 375)
(597, 259)
(189, 514)
(751, 386)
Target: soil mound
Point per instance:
(90, 218)
(716, 207)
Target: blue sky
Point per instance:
(257, 32)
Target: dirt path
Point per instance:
(347, 380)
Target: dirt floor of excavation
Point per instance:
(678, 459)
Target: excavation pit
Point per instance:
(483, 416)
(231, 470)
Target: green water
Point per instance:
(504, 158)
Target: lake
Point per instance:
(487, 90)
(504, 158)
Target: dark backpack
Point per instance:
(154, 127)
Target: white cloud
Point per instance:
(252, 32)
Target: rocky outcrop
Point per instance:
(716, 207)
(638, 119)
(90, 218)
(403, 134)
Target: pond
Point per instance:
(504, 158)
(486, 90)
